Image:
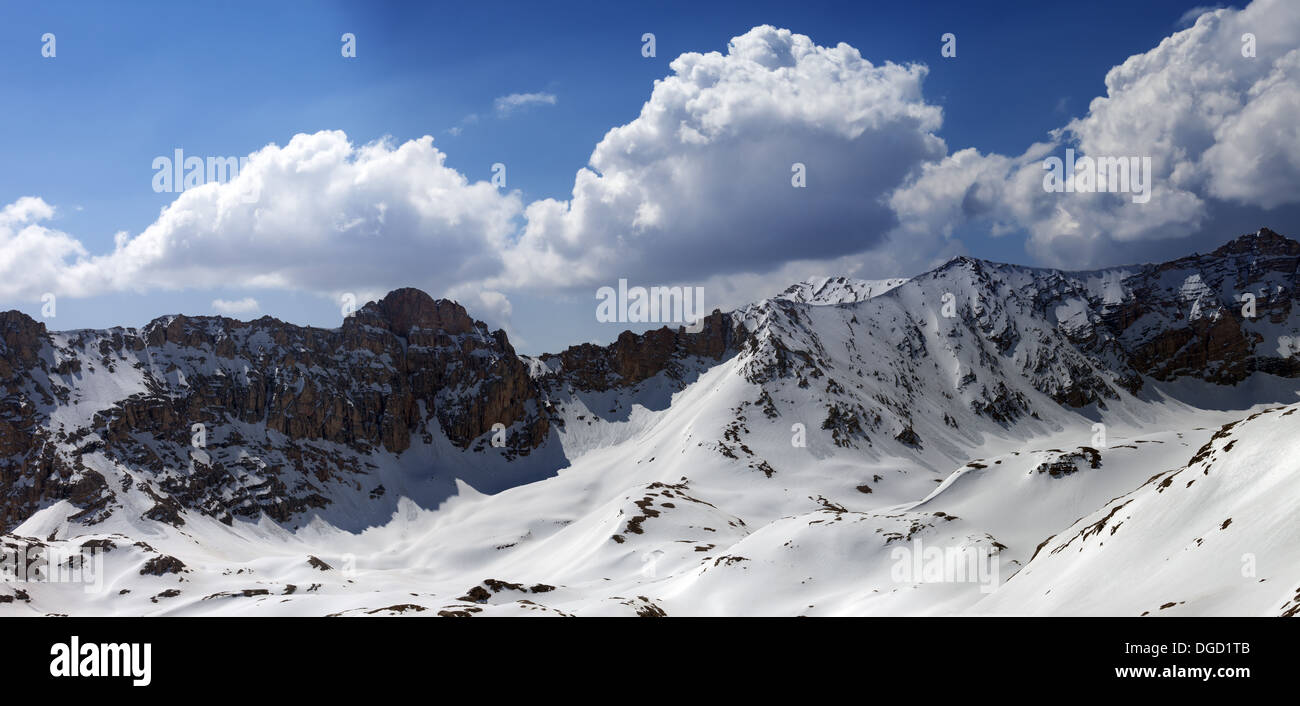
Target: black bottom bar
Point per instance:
(192, 657)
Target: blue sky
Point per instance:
(133, 81)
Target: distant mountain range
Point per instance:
(1086, 430)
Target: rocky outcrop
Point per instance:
(392, 367)
(633, 358)
(1188, 317)
(31, 471)
(398, 371)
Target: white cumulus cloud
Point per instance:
(35, 258)
(329, 216)
(698, 186)
(700, 183)
(1219, 127)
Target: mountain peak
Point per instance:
(1264, 241)
(838, 290)
(20, 335)
(967, 261)
(408, 307)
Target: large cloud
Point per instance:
(1219, 127)
(318, 214)
(700, 182)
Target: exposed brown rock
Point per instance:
(633, 358)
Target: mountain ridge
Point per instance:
(411, 460)
(409, 369)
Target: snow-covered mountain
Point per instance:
(981, 438)
(838, 290)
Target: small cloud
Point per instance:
(506, 105)
(247, 305)
(467, 120)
